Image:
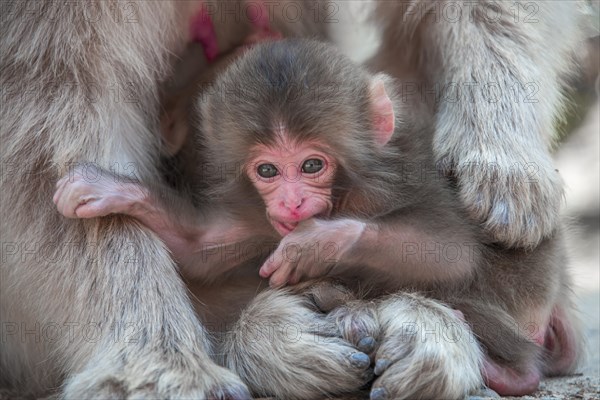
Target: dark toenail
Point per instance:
(378, 394)
(360, 360)
(366, 344)
(381, 365)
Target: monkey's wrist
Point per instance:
(139, 201)
(364, 246)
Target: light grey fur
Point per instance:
(108, 275)
(499, 145)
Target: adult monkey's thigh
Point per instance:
(97, 304)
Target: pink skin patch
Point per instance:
(298, 189)
(557, 337)
(559, 341)
(258, 14)
(508, 382)
(202, 31)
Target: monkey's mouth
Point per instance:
(284, 228)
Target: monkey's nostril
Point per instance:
(291, 204)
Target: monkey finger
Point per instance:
(71, 199)
(269, 266)
(281, 277)
(72, 210)
(66, 210)
(63, 202)
(62, 184)
(92, 209)
(61, 181)
(60, 188)
(69, 189)
(264, 272)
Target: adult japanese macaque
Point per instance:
(81, 81)
(347, 178)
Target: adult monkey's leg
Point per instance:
(95, 304)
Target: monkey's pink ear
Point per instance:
(383, 112)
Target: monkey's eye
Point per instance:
(267, 170)
(312, 166)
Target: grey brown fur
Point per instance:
(499, 290)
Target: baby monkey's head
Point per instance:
(296, 116)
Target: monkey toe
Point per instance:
(358, 324)
(360, 360)
(381, 366)
(515, 225)
(304, 346)
(367, 344)
(378, 394)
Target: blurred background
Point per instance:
(577, 159)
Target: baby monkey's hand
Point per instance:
(90, 192)
(312, 250)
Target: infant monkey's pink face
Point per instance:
(294, 181)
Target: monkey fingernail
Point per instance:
(366, 344)
(380, 366)
(264, 272)
(360, 360)
(267, 270)
(378, 394)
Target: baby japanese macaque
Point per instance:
(311, 150)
